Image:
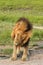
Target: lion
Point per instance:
(21, 35)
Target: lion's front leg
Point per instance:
(14, 55)
(24, 53)
(18, 50)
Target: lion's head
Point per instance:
(20, 31)
(18, 38)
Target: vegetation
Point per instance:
(11, 10)
(5, 33)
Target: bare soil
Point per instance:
(34, 58)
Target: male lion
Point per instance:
(21, 35)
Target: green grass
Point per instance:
(37, 35)
(6, 51)
(11, 10)
(15, 4)
(5, 33)
(12, 16)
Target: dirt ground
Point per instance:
(35, 58)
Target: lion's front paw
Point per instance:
(13, 58)
(23, 59)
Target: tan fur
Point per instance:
(18, 34)
(27, 36)
(24, 53)
(14, 55)
(18, 49)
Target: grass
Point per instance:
(18, 4)
(37, 35)
(5, 33)
(12, 16)
(11, 10)
(6, 51)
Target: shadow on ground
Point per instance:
(34, 58)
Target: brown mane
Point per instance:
(21, 35)
(29, 25)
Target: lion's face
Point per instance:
(18, 38)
